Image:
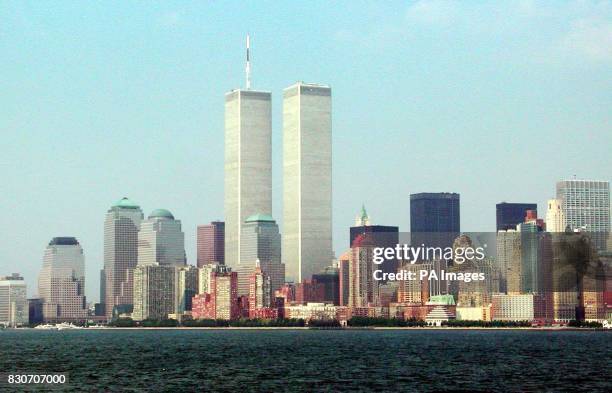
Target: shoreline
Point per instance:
(356, 328)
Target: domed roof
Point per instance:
(161, 213)
(260, 217)
(125, 203)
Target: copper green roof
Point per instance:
(260, 217)
(161, 213)
(447, 300)
(125, 203)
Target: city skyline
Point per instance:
(89, 158)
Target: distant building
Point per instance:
(260, 243)
(61, 282)
(514, 307)
(186, 287)
(35, 310)
(363, 289)
(509, 215)
(248, 163)
(309, 291)
(434, 219)
(259, 292)
(101, 310)
(311, 311)
(555, 218)
(222, 300)
(211, 243)
(329, 280)
(586, 204)
(380, 235)
(154, 291)
(161, 240)
(414, 291)
(121, 227)
(307, 179)
(13, 301)
(343, 279)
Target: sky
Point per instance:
(99, 100)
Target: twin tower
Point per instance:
(307, 173)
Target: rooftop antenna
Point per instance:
(248, 63)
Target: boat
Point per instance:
(46, 327)
(65, 326)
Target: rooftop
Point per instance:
(260, 217)
(64, 241)
(161, 213)
(125, 203)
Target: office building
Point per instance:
(586, 205)
(343, 278)
(211, 243)
(121, 226)
(222, 300)
(330, 281)
(187, 287)
(434, 219)
(363, 289)
(555, 218)
(509, 215)
(14, 310)
(161, 240)
(259, 291)
(154, 291)
(248, 164)
(307, 180)
(260, 243)
(61, 282)
(380, 235)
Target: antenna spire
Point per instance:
(248, 62)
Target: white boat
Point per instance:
(46, 327)
(64, 326)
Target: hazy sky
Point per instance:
(104, 100)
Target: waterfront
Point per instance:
(314, 360)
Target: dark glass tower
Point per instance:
(434, 219)
(509, 215)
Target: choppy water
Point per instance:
(308, 361)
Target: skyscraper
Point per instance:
(13, 301)
(586, 204)
(434, 219)
(211, 243)
(121, 227)
(248, 163)
(307, 180)
(61, 282)
(260, 244)
(509, 215)
(555, 219)
(161, 253)
(161, 240)
(363, 289)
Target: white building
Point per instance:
(61, 282)
(121, 227)
(13, 301)
(586, 204)
(161, 240)
(248, 163)
(555, 219)
(308, 311)
(513, 307)
(307, 180)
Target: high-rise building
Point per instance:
(343, 278)
(586, 205)
(555, 219)
(222, 300)
(508, 261)
(154, 291)
(161, 254)
(211, 243)
(186, 287)
(248, 163)
(121, 227)
(509, 215)
(381, 236)
(13, 301)
(307, 180)
(260, 243)
(363, 289)
(259, 291)
(61, 282)
(330, 281)
(434, 219)
(161, 240)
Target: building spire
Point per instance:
(248, 62)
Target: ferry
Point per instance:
(46, 327)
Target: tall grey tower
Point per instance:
(248, 162)
(121, 227)
(307, 180)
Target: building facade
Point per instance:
(154, 291)
(555, 218)
(586, 205)
(434, 219)
(509, 215)
(307, 180)
(14, 310)
(248, 163)
(61, 282)
(121, 226)
(211, 243)
(161, 240)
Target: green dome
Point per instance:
(125, 203)
(260, 217)
(161, 213)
